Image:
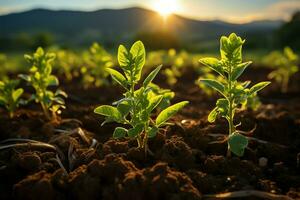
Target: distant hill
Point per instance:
(78, 27)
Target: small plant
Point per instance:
(234, 93)
(67, 63)
(285, 64)
(137, 105)
(10, 97)
(177, 62)
(96, 61)
(40, 78)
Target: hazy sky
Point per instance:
(230, 10)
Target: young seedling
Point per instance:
(137, 105)
(10, 97)
(234, 93)
(285, 64)
(96, 61)
(40, 78)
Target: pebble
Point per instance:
(263, 162)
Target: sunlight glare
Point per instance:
(166, 7)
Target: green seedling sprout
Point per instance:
(67, 63)
(40, 78)
(96, 61)
(10, 97)
(234, 93)
(285, 64)
(134, 110)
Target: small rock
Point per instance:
(263, 162)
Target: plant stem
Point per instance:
(230, 102)
(46, 112)
(139, 141)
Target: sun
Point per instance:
(166, 7)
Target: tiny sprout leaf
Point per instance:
(151, 76)
(237, 72)
(213, 115)
(152, 132)
(61, 92)
(109, 111)
(118, 77)
(17, 93)
(139, 55)
(123, 56)
(259, 86)
(154, 102)
(53, 81)
(124, 108)
(214, 84)
(24, 77)
(169, 112)
(213, 64)
(237, 143)
(120, 132)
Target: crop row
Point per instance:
(135, 109)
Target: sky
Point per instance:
(227, 10)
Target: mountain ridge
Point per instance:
(116, 25)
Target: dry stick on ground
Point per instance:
(78, 131)
(247, 193)
(29, 145)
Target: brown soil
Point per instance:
(184, 165)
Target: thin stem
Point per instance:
(46, 112)
(230, 102)
(285, 83)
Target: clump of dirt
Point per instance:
(157, 182)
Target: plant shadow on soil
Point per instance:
(184, 164)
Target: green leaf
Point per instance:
(259, 86)
(223, 106)
(48, 70)
(231, 48)
(61, 93)
(213, 64)
(109, 111)
(118, 77)
(152, 132)
(214, 84)
(154, 102)
(123, 56)
(17, 93)
(169, 112)
(52, 81)
(151, 76)
(139, 56)
(124, 108)
(120, 132)
(133, 132)
(59, 100)
(237, 143)
(213, 115)
(25, 77)
(237, 72)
